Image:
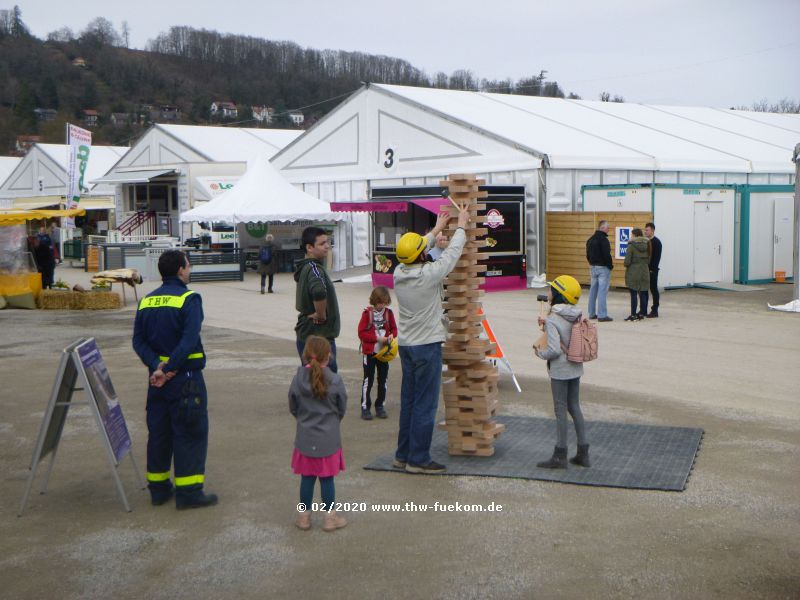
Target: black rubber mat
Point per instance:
(643, 457)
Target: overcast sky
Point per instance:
(690, 52)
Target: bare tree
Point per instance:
(125, 34)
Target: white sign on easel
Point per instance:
(82, 363)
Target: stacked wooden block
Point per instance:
(470, 385)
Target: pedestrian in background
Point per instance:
(267, 262)
(655, 261)
(637, 276)
(598, 253)
(318, 401)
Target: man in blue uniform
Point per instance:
(166, 336)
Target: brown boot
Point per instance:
(333, 521)
(557, 461)
(303, 520)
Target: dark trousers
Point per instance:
(326, 487)
(642, 297)
(566, 399)
(654, 289)
(372, 364)
(48, 272)
(331, 365)
(264, 279)
(177, 423)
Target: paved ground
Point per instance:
(715, 360)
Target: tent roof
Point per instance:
(584, 134)
(101, 158)
(262, 195)
(7, 165)
(17, 217)
(231, 144)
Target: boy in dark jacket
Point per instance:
(315, 298)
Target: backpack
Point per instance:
(265, 255)
(583, 342)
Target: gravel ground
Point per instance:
(733, 533)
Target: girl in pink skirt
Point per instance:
(317, 399)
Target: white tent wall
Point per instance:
(766, 244)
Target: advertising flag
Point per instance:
(79, 143)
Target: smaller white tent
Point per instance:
(262, 195)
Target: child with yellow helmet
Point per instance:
(377, 331)
(565, 376)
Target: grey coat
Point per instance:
(272, 267)
(317, 434)
(558, 327)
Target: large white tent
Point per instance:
(262, 195)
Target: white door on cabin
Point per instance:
(707, 242)
(783, 250)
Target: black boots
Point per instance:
(653, 314)
(197, 500)
(557, 461)
(582, 457)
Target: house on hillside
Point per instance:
(224, 110)
(79, 62)
(90, 117)
(120, 119)
(166, 112)
(263, 114)
(45, 115)
(25, 143)
(297, 117)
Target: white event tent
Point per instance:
(262, 195)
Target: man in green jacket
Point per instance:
(315, 298)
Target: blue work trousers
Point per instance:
(177, 423)
(419, 399)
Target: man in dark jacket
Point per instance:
(598, 253)
(655, 260)
(315, 298)
(166, 336)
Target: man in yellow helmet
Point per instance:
(418, 285)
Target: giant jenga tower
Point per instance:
(470, 385)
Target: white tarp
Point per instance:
(262, 195)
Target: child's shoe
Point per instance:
(303, 520)
(333, 521)
(380, 412)
(366, 414)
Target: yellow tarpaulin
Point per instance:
(18, 217)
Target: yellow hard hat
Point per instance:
(568, 287)
(388, 352)
(410, 247)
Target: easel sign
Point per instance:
(81, 363)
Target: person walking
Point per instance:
(418, 286)
(166, 337)
(655, 261)
(598, 253)
(315, 296)
(318, 401)
(376, 330)
(565, 376)
(637, 277)
(267, 262)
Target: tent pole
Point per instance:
(796, 250)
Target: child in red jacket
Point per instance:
(376, 329)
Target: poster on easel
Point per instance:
(82, 368)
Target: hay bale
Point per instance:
(55, 300)
(100, 300)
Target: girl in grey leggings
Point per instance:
(565, 376)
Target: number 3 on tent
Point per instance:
(389, 162)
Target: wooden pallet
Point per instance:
(470, 387)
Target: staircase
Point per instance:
(139, 224)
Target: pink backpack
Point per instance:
(582, 342)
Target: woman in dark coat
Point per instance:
(268, 269)
(45, 262)
(637, 273)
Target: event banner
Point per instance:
(79, 143)
(106, 398)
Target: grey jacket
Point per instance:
(419, 294)
(558, 327)
(317, 434)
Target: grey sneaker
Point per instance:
(399, 464)
(605, 319)
(431, 467)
